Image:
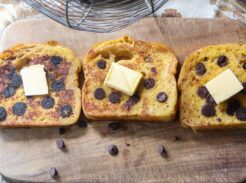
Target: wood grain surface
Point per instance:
(208, 156)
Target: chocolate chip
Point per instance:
(232, 106)
(19, 108)
(161, 97)
(218, 119)
(114, 97)
(9, 91)
(101, 64)
(99, 94)
(60, 143)
(208, 110)
(16, 81)
(177, 138)
(3, 113)
(66, 111)
(153, 69)
(149, 83)
(244, 88)
(11, 74)
(241, 114)
(132, 101)
(113, 126)
(161, 149)
(53, 172)
(47, 102)
(200, 69)
(244, 66)
(56, 60)
(148, 59)
(210, 100)
(57, 85)
(61, 130)
(222, 61)
(203, 92)
(113, 150)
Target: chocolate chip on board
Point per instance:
(208, 110)
(200, 69)
(53, 172)
(60, 143)
(9, 91)
(113, 126)
(244, 88)
(202, 92)
(241, 114)
(56, 60)
(161, 149)
(3, 114)
(114, 97)
(101, 64)
(161, 97)
(222, 61)
(232, 106)
(57, 85)
(149, 83)
(19, 108)
(113, 150)
(99, 93)
(66, 110)
(47, 102)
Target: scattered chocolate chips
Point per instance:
(16, 81)
(113, 126)
(203, 92)
(114, 97)
(210, 100)
(132, 101)
(66, 111)
(56, 60)
(208, 110)
(241, 114)
(19, 108)
(244, 88)
(47, 102)
(148, 59)
(57, 85)
(9, 91)
(113, 150)
(161, 149)
(60, 143)
(222, 61)
(99, 94)
(101, 64)
(61, 130)
(161, 97)
(153, 70)
(232, 106)
(3, 113)
(244, 66)
(200, 69)
(53, 172)
(149, 83)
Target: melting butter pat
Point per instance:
(34, 80)
(224, 86)
(123, 79)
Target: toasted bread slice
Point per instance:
(202, 66)
(155, 61)
(60, 107)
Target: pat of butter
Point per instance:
(34, 80)
(224, 86)
(123, 79)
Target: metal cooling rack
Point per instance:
(96, 15)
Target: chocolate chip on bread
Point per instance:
(198, 108)
(60, 107)
(155, 98)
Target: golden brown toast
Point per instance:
(197, 108)
(60, 107)
(156, 96)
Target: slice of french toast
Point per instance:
(156, 95)
(198, 109)
(60, 107)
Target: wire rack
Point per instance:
(96, 15)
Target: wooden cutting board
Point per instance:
(212, 156)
